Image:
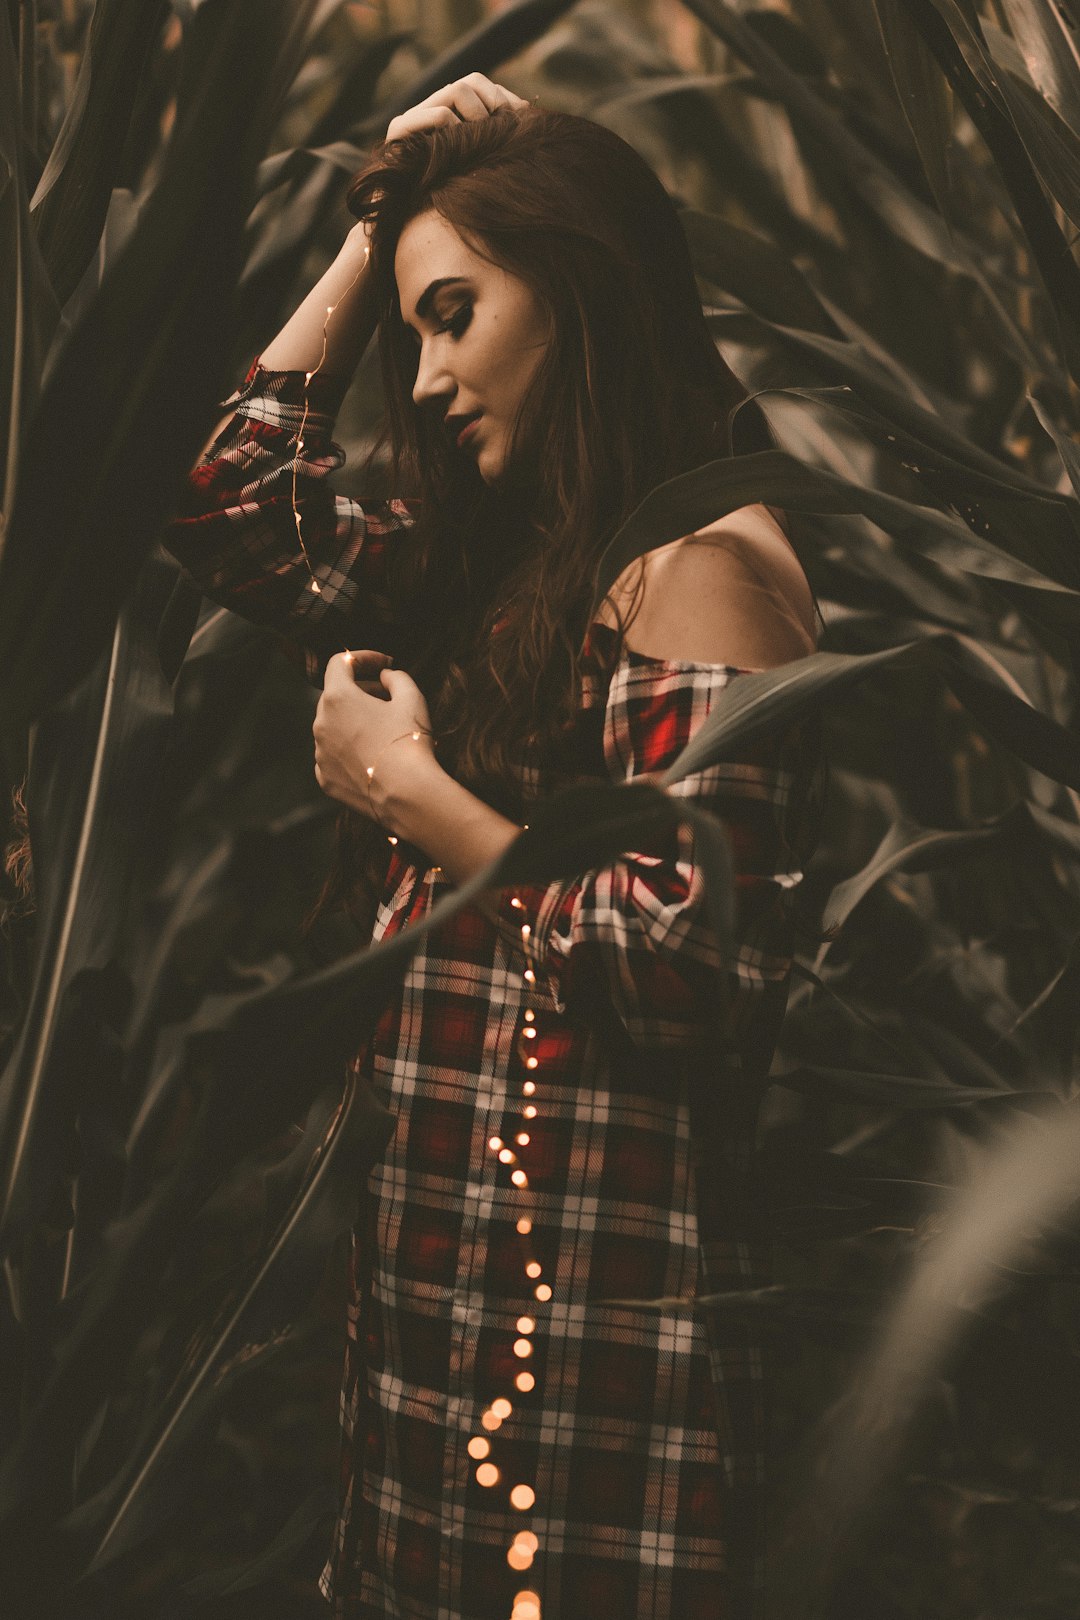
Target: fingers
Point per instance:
(467, 99)
(420, 118)
(344, 668)
(366, 658)
(395, 680)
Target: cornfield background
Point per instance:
(882, 198)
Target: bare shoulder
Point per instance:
(732, 593)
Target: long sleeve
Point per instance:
(636, 932)
(236, 530)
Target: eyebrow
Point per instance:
(423, 303)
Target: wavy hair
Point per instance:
(630, 391)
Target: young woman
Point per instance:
(561, 1056)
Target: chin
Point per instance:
(491, 462)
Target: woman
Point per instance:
(557, 1056)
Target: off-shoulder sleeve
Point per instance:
(636, 932)
(262, 488)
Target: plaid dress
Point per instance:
(574, 1128)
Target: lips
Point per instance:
(458, 428)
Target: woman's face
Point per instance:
(481, 334)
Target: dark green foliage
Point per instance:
(881, 201)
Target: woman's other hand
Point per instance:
(472, 97)
(367, 717)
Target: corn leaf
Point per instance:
(150, 350)
(72, 197)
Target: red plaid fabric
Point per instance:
(595, 1036)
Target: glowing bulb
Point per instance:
(522, 1497)
(526, 1538)
(543, 1293)
(495, 1143)
(308, 376)
(529, 1034)
(479, 1448)
(516, 903)
(522, 1138)
(530, 1016)
(390, 839)
(525, 1381)
(525, 931)
(506, 1156)
(317, 588)
(518, 1177)
(299, 444)
(529, 1087)
(532, 1063)
(487, 1474)
(529, 976)
(525, 1611)
(530, 1112)
(524, 1226)
(490, 1422)
(526, 1324)
(501, 1408)
(534, 1269)
(519, 1557)
(522, 1348)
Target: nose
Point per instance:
(433, 381)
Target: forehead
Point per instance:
(428, 249)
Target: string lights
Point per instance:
(521, 1496)
(314, 585)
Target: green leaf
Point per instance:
(1054, 149)
(885, 1090)
(492, 42)
(72, 196)
(278, 1558)
(880, 380)
(923, 443)
(837, 152)
(1047, 38)
(93, 774)
(905, 847)
(28, 307)
(326, 1201)
(778, 1304)
(960, 47)
(757, 705)
(297, 160)
(1040, 528)
(152, 350)
(923, 93)
(1067, 447)
(753, 270)
(1012, 1195)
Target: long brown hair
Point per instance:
(497, 581)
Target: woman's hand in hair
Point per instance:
(472, 97)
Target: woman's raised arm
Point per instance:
(333, 325)
(261, 529)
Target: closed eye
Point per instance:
(457, 322)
